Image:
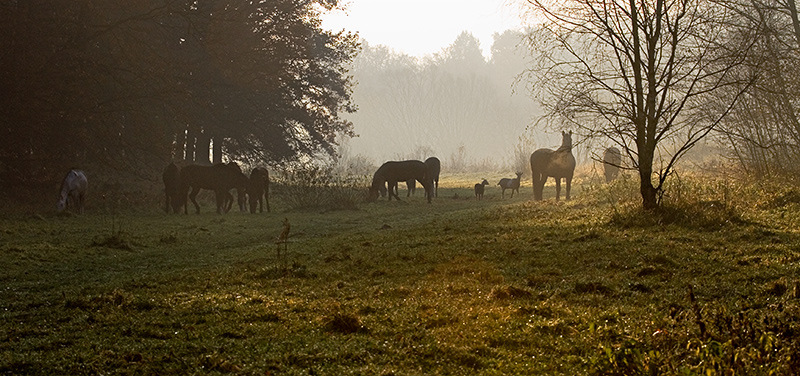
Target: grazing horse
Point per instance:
(559, 163)
(434, 168)
(395, 171)
(410, 184)
(73, 190)
(220, 178)
(171, 178)
(611, 161)
(258, 189)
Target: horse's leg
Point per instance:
(193, 197)
(220, 198)
(242, 200)
(436, 187)
(569, 184)
(428, 186)
(228, 200)
(392, 190)
(558, 188)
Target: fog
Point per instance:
(468, 110)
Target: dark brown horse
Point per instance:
(258, 189)
(559, 163)
(479, 189)
(220, 178)
(395, 171)
(611, 161)
(171, 178)
(434, 168)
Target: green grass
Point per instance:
(592, 286)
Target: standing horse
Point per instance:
(559, 163)
(434, 168)
(258, 189)
(171, 178)
(611, 161)
(73, 190)
(393, 171)
(220, 178)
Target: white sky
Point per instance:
(423, 27)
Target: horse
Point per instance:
(512, 184)
(395, 171)
(258, 189)
(73, 190)
(611, 161)
(434, 168)
(559, 163)
(171, 178)
(220, 178)
(411, 184)
(479, 188)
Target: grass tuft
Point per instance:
(344, 323)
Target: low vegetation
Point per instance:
(707, 285)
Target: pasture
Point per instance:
(499, 286)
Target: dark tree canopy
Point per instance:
(133, 84)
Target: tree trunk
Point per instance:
(217, 151)
(190, 145)
(179, 148)
(202, 153)
(646, 156)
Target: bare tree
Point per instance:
(637, 72)
(763, 131)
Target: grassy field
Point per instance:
(708, 285)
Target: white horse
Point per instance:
(73, 190)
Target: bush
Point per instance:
(318, 187)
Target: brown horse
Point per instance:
(395, 171)
(220, 178)
(611, 161)
(434, 168)
(258, 189)
(479, 189)
(171, 178)
(559, 163)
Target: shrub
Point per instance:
(318, 187)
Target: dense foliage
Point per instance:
(134, 84)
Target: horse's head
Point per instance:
(61, 204)
(566, 140)
(372, 194)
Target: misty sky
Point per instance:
(422, 27)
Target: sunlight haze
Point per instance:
(423, 27)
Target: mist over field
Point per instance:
(459, 105)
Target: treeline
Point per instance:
(763, 131)
(132, 85)
(457, 104)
